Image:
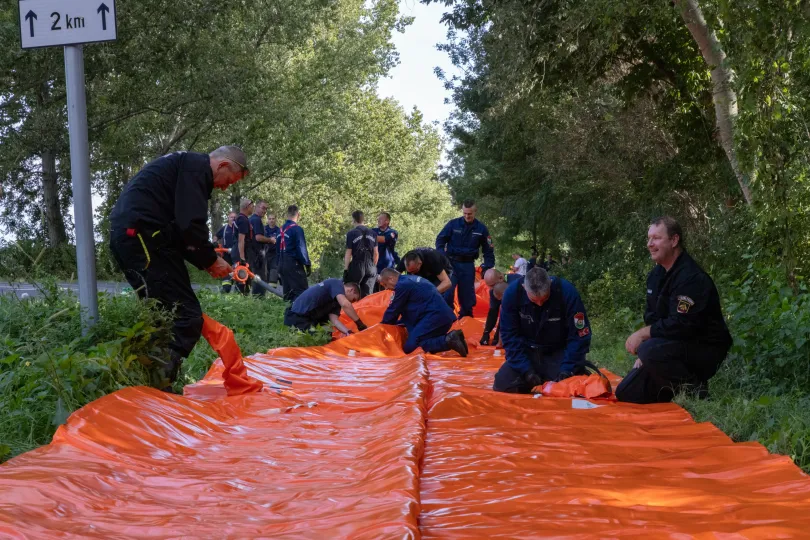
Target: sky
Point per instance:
(413, 81)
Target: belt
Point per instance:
(463, 258)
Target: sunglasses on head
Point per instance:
(243, 169)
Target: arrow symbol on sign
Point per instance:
(103, 9)
(30, 16)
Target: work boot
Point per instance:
(456, 341)
(167, 373)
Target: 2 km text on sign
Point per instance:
(47, 23)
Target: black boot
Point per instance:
(456, 341)
(168, 372)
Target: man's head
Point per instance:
(352, 292)
(384, 220)
(537, 285)
(293, 214)
(492, 277)
(499, 289)
(413, 262)
(358, 217)
(271, 220)
(516, 256)
(261, 209)
(468, 210)
(665, 240)
(389, 278)
(229, 165)
(231, 218)
(246, 207)
(534, 253)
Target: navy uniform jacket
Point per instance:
(416, 300)
(227, 235)
(243, 226)
(292, 242)
(461, 241)
(258, 228)
(433, 263)
(362, 241)
(271, 232)
(387, 250)
(561, 323)
(170, 194)
(683, 304)
(320, 299)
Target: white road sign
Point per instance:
(48, 23)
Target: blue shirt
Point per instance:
(416, 300)
(292, 242)
(320, 296)
(242, 225)
(387, 250)
(559, 323)
(462, 239)
(227, 235)
(272, 232)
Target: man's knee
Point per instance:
(510, 381)
(410, 345)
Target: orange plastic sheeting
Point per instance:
(236, 379)
(340, 460)
(586, 386)
(515, 466)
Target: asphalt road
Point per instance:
(29, 290)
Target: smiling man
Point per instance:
(161, 220)
(544, 330)
(685, 338)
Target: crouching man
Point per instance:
(321, 304)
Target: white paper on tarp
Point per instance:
(583, 404)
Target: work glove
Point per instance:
(219, 269)
(243, 262)
(563, 375)
(532, 379)
(360, 325)
(495, 339)
(308, 269)
(484, 339)
(345, 276)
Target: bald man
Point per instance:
(159, 222)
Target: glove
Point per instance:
(532, 379)
(219, 269)
(243, 262)
(360, 325)
(484, 339)
(308, 270)
(345, 276)
(563, 375)
(495, 339)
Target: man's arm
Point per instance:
(487, 250)
(514, 344)
(242, 247)
(579, 339)
(636, 339)
(394, 309)
(347, 307)
(444, 238)
(335, 320)
(347, 258)
(375, 255)
(444, 282)
(302, 247)
(191, 214)
(686, 305)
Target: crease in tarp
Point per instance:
(141, 463)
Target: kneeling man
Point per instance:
(544, 330)
(322, 303)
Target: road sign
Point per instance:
(47, 23)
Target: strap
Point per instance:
(283, 245)
(146, 251)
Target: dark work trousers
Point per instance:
(463, 278)
(227, 282)
(364, 273)
(669, 366)
(316, 317)
(302, 322)
(260, 262)
(546, 366)
(293, 278)
(255, 260)
(429, 335)
(272, 267)
(163, 277)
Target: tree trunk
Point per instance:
(216, 214)
(57, 235)
(723, 95)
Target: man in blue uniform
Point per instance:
(294, 263)
(430, 264)
(259, 264)
(244, 251)
(226, 238)
(360, 258)
(461, 240)
(544, 330)
(271, 230)
(159, 222)
(420, 308)
(494, 279)
(685, 339)
(386, 242)
(322, 303)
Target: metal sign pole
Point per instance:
(80, 172)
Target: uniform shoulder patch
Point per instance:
(685, 304)
(579, 320)
(584, 332)
(489, 241)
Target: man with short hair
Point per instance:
(532, 260)
(493, 278)
(685, 339)
(259, 264)
(226, 237)
(322, 303)
(271, 230)
(420, 308)
(160, 221)
(545, 332)
(430, 264)
(294, 264)
(360, 258)
(244, 251)
(461, 239)
(386, 242)
(521, 265)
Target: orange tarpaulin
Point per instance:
(356, 440)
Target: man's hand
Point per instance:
(495, 339)
(638, 363)
(636, 339)
(308, 269)
(484, 339)
(219, 269)
(360, 325)
(272, 239)
(564, 375)
(243, 262)
(532, 378)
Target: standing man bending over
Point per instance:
(545, 332)
(159, 221)
(430, 264)
(360, 259)
(461, 240)
(417, 305)
(322, 303)
(294, 263)
(686, 338)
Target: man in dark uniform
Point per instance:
(322, 303)
(386, 242)
(421, 309)
(430, 264)
(532, 260)
(226, 237)
(360, 258)
(246, 248)
(271, 230)
(686, 337)
(492, 278)
(160, 221)
(294, 263)
(259, 264)
(544, 330)
(461, 240)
